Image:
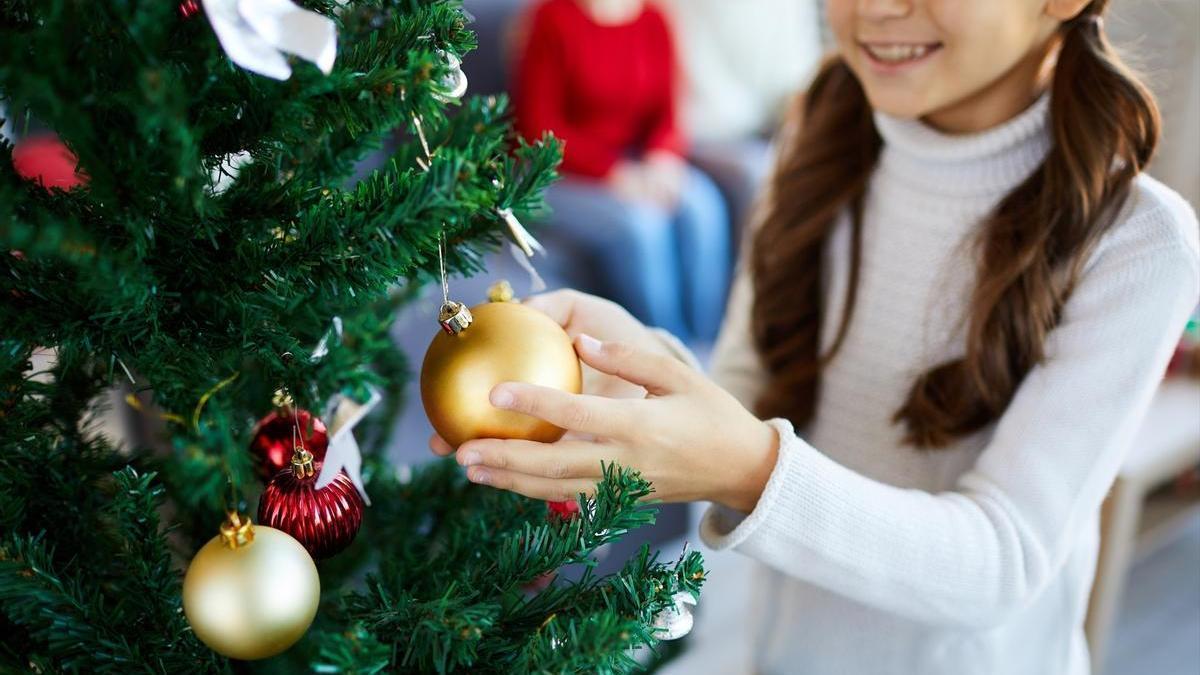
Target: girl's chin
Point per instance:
(900, 106)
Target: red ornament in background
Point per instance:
(277, 435)
(189, 8)
(540, 583)
(556, 512)
(325, 521)
(563, 510)
(45, 160)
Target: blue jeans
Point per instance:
(670, 268)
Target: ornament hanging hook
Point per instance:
(235, 503)
(427, 162)
(454, 317)
(126, 369)
(442, 267)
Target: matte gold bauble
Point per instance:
(251, 592)
(500, 342)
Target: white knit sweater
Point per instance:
(878, 558)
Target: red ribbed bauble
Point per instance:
(278, 434)
(325, 521)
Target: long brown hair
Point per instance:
(1031, 248)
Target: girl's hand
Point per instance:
(583, 314)
(689, 438)
(579, 313)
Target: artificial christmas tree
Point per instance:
(219, 252)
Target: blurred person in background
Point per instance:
(743, 62)
(602, 75)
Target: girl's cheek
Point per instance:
(840, 15)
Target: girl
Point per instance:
(601, 75)
(956, 309)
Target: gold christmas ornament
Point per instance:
(499, 341)
(250, 592)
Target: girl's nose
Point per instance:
(875, 10)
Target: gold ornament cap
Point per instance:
(237, 530)
(302, 463)
(454, 317)
(283, 400)
(501, 291)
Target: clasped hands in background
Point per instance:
(641, 408)
(658, 178)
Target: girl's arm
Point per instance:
(977, 554)
(542, 92)
(972, 556)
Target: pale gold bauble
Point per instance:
(505, 342)
(253, 600)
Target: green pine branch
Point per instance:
(470, 612)
(115, 615)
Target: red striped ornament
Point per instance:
(323, 520)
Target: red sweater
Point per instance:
(607, 91)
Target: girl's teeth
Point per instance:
(898, 53)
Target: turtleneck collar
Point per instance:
(987, 162)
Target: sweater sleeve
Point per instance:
(542, 95)
(665, 132)
(977, 554)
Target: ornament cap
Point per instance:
(501, 291)
(302, 463)
(454, 317)
(283, 400)
(236, 532)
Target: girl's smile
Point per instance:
(960, 65)
(891, 57)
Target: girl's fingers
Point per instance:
(658, 373)
(576, 412)
(439, 446)
(564, 459)
(558, 305)
(537, 487)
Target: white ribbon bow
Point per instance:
(343, 452)
(522, 248)
(256, 33)
(222, 176)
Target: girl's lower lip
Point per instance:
(897, 66)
